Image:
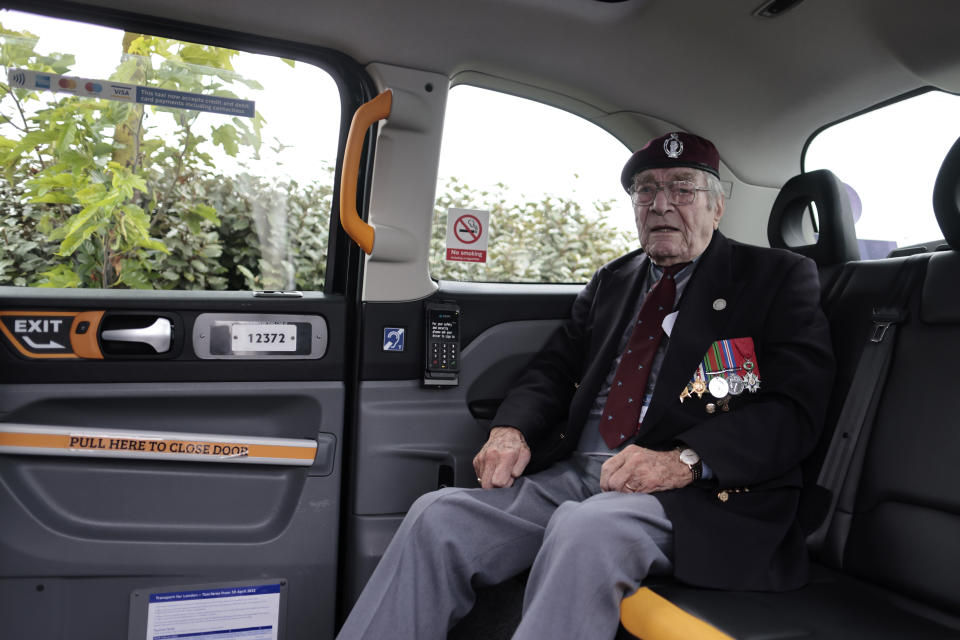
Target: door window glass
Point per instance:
(138, 161)
(549, 180)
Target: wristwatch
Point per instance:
(690, 458)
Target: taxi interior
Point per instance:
(91, 532)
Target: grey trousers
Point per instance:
(585, 549)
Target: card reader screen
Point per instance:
(443, 324)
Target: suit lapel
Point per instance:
(698, 325)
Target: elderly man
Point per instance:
(668, 417)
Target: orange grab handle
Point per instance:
(368, 114)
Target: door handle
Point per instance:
(158, 335)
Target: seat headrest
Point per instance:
(946, 196)
(837, 241)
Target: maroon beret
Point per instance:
(676, 149)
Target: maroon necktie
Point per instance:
(621, 414)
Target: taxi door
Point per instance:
(171, 461)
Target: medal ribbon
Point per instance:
(731, 361)
(743, 351)
(727, 356)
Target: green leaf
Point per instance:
(154, 244)
(125, 180)
(92, 193)
(133, 275)
(79, 228)
(53, 198)
(60, 277)
(226, 136)
(207, 212)
(211, 251)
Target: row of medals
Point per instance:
(722, 387)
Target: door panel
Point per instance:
(412, 439)
(82, 532)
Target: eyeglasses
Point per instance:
(678, 192)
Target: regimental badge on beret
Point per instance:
(673, 146)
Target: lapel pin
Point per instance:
(719, 304)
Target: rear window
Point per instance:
(889, 158)
(138, 161)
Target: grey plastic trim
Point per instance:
(207, 323)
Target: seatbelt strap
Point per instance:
(859, 407)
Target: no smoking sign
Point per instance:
(467, 235)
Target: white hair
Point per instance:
(716, 193)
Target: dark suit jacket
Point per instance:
(752, 540)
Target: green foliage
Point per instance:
(274, 235)
(123, 206)
(99, 193)
(549, 240)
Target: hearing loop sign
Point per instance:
(467, 235)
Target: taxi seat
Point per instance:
(888, 567)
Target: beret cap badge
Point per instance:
(673, 146)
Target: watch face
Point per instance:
(689, 456)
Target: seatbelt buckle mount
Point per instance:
(882, 319)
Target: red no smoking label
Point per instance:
(467, 235)
(467, 228)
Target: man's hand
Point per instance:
(503, 458)
(639, 470)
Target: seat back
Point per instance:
(901, 501)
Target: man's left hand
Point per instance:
(639, 470)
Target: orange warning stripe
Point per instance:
(278, 451)
(37, 440)
(216, 451)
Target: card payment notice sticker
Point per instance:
(467, 235)
(248, 612)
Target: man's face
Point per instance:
(674, 233)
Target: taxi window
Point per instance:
(547, 180)
(889, 158)
(137, 161)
